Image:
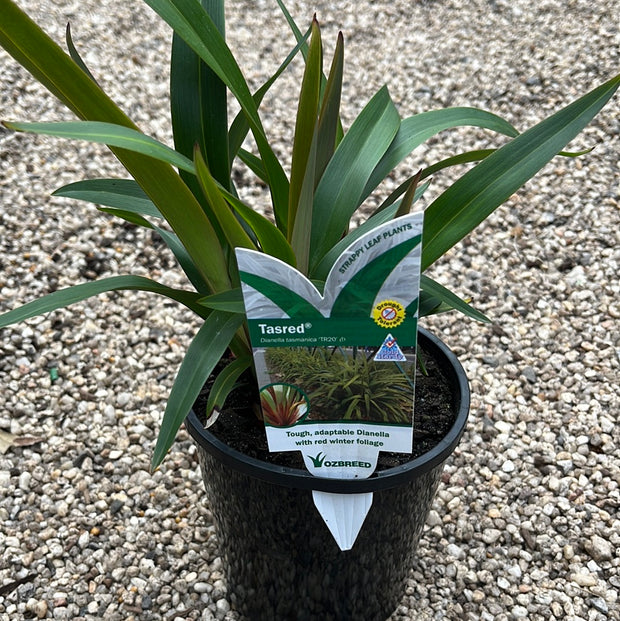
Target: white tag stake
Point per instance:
(344, 514)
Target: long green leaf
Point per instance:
(231, 227)
(307, 119)
(38, 54)
(339, 191)
(432, 288)
(109, 134)
(329, 115)
(270, 238)
(186, 93)
(463, 158)
(322, 146)
(456, 160)
(183, 257)
(197, 28)
(128, 216)
(254, 163)
(305, 50)
(75, 55)
(428, 305)
(300, 240)
(294, 28)
(121, 194)
(199, 112)
(47, 62)
(481, 190)
(415, 130)
(203, 354)
(214, 107)
(225, 382)
(198, 104)
(77, 293)
(194, 25)
(409, 198)
(230, 301)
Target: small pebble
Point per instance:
(25, 479)
(508, 466)
(202, 587)
(519, 612)
(502, 583)
(455, 551)
(599, 549)
(491, 535)
(584, 580)
(222, 607)
(600, 604)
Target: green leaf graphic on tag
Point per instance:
(286, 299)
(318, 460)
(361, 290)
(384, 260)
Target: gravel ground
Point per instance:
(525, 525)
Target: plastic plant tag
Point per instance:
(336, 370)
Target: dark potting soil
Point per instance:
(239, 426)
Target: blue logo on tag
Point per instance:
(390, 351)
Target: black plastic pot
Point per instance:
(281, 559)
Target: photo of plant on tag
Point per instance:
(336, 370)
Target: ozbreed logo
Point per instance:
(321, 461)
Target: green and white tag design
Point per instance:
(336, 370)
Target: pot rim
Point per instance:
(384, 479)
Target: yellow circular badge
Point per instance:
(388, 314)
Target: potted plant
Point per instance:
(332, 172)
